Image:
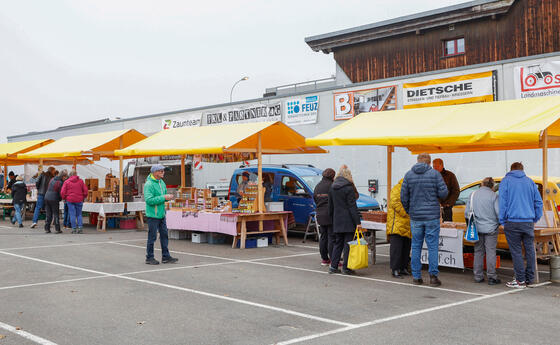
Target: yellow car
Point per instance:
(466, 191)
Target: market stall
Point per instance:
(504, 125)
(193, 209)
(106, 202)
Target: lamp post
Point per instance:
(237, 82)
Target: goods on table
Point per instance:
(108, 194)
(375, 216)
(195, 199)
(454, 225)
(248, 204)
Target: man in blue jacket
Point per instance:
(520, 208)
(421, 191)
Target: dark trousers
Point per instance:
(448, 214)
(399, 251)
(52, 208)
(516, 235)
(154, 226)
(326, 241)
(341, 246)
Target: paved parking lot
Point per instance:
(95, 289)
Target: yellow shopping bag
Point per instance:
(358, 256)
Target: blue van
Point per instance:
(292, 184)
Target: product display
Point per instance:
(190, 199)
(248, 204)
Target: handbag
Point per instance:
(471, 235)
(358, 254)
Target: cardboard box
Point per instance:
(201, 237)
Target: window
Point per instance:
(465, 195)
(290, 185)
(454, 47)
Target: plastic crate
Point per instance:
(214, 238)
(468, 260)
(249, 243)
(127, 223)
(112, 223)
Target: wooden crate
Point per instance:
(375, 216)
(92, 184)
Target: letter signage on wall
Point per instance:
(537, 80)
(181, 121)
(254, 113)
(468, 88)
(351, 103)
(301, 111)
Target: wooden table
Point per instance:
(281, 218)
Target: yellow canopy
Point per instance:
(102, 144)
(503, 125)
(276, 138)
(10, 150)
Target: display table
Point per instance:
(6, 205)
(237, 225)
(373, 227)
(450, 248)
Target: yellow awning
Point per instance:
(103, 144)
(276, 138)
(10, 150)
(503, 125)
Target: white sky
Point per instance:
(65, 62)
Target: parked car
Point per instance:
(292, 184)
(466, 191)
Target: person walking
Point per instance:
(52, 201)
(321, 198)
(485, 206)
(155, 194)
(421, 191)
(345, 218)
(74, 191)
(42, 185)
(452, 187)
(520, 208)
(398, 233)
(19, 198)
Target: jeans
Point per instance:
(66, 221)
(516, 235)
(52, 207)
(486, 244)
(38, 206)
(399, 251)
(154, 226)
(17, 213)
(428, 230)
(326, 241)
(75, 211)
(340, 245)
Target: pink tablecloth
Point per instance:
(202, 221)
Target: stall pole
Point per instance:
(182, 171)
(260, 199)
(5, 176)
(390, 150)
(121, 182)
(73, 165)
(545, 164)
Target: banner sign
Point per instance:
(255, 113)
(182, 121)
(537, 80)
(450, 248)
(301, 111)
(351, 103)
(469, 88)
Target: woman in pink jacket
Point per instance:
(74, 191)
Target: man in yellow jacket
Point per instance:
(398, 234)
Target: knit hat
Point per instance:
(156, 167)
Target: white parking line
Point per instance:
(69, 244)
(51, 282)
(396, 317)
(203, 293)
(26, 335)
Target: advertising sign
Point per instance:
(450, 248)
(537, 80)
(181, 121)
(351, 103)
(469, 88)
(301, 111)
(244, 114)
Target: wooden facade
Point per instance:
(530, 27)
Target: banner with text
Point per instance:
(301, 111)
(244, 114)
(351, 103)
(450, 248)
(469, 88)
(181, 121)
(537, 80)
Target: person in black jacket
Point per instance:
(345, 216)
(12, 179)
(321, 198)
(421, 191)
(52, 201)
(19, 197)
(42, 185)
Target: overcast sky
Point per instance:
(66, 62)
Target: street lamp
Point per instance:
(237, 82)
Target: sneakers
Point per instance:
(481, 280)
(334, 270)
(21, 225)
(396, 274)
(492, 281)
(434, 281)
(348, 272)
(79, 231)
(169, 260)
(417, 281)
(58, 231)
(514, 284)
(152, 261)
(47, 231)
(33, 225)
(325, 262)
(74, 231)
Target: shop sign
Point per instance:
(181, 121)
(301, 111)
(537, 80)
(468, 88)
(244, 114)
(352, 103)
(450, 248)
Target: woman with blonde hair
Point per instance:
(345, 216)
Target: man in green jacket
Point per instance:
(155, 194)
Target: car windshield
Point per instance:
(312, 180)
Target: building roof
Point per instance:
(412, 23)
